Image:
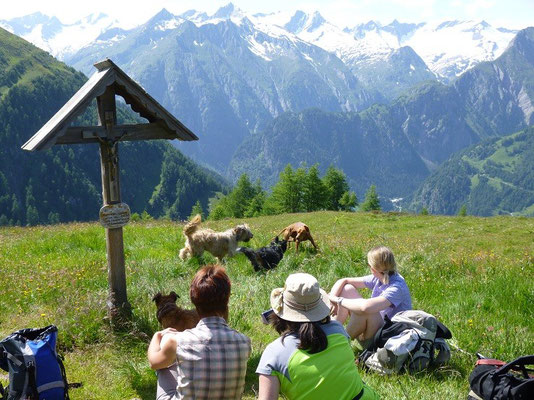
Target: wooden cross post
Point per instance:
(118, 306)
(103, 85)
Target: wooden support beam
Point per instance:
(124, 133)
(119, 309)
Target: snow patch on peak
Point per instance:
(225, 12)
(169, 24)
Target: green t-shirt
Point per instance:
(329, 374)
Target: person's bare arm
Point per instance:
(162, 351)
(269, 387)
(340, 283)
(366, 306)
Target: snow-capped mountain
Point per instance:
(225, 74)
(60, 40)
(444, 50)
(448, 48)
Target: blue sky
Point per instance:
(508, 13)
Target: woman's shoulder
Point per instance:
(397, 279)
(334, 327)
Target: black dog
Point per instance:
(266, 257)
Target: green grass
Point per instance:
(475, 274)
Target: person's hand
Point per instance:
(168, 330)
(159, 334)
(334, 300)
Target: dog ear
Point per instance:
(156, 297)
(174, 295)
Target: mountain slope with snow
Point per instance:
(226, 77)
(60, 40)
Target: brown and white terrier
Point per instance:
(170, 315)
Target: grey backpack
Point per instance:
(412, 340)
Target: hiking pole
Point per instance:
(461, 350)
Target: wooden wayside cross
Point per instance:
(104, 85)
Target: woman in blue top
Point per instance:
(390, 294)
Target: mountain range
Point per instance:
(388, 104)
(64, 183)
(491, 178)
(396, 146)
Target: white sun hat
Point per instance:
(301, 299)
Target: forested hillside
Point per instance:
(397, 145)
(63, 184)
(492, 178)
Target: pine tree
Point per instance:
(336, 184)
(314, 193)
(348, 201)
(286, 193)
(197, 209)
(219, 207)
(371, 202)
(240, 196)
(463, 211)
(255, 207)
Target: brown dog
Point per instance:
(297, 232)
(171, 316)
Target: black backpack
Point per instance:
(496, 380)
(36, 371)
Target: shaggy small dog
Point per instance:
(297, 232)
(220, 244)
(266, 257)
(171, 316)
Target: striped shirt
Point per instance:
(211, 361)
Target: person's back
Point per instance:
(297, 370)
(211, 360)
(312, 359)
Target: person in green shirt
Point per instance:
(312, 359)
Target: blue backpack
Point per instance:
(36, 371)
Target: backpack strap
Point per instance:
(64, 376)
(518, 364)
(32, 384)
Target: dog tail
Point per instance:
(282, 231)
(192, 225)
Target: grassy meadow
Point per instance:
(475, 274)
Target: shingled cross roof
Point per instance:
(58, 130)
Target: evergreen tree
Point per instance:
(336, 184)
(197, 209)
(424, 211)
(348, 201)
(219, 207)
(255, 208)
(286, 194)
(32, 217)
(371, 202)
(241, 196)
(314, 193)
(463, 211)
